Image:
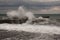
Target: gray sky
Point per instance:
(39, 6)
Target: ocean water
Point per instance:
(4, 10)
(28, 26)
(28, 30)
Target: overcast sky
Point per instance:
(32, 0)
(40, 6)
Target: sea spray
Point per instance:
(30, 16)
(16, 13)
(21, 14)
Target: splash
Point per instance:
(20, 13)
(16, 13)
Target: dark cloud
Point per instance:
(42, 5)
(29, 4)
(36, 6)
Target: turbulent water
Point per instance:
(32, 26)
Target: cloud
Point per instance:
(31, 3)
(51, 10)
(38, 6)
(41, 0)
(10, 2)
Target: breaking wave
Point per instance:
(27, 26)
(20, 13)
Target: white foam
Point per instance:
(32, 28)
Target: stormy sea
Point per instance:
(27, 27)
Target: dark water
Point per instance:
(15, 35)
(48, 15)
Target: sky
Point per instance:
(37, 6)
